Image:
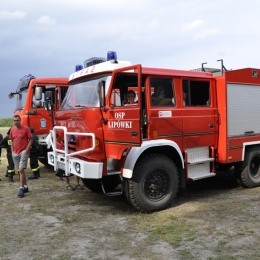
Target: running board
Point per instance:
(114, 193)
(200, 171)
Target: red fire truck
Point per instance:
(31, 105)
(183, 126)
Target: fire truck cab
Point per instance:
(182, 125)
(31, 105)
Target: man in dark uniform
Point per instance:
(6, 143)
(35, 149)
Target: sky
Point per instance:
(47, 38)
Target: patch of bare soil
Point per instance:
(212, 219)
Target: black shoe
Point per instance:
(32, 177)
(25, 189)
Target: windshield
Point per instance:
(21, 98)
(84, 94)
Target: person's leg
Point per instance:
(34, 166)
(22, 177)
(67, 182)
(78, 186)
(10, 167)
(16, 160)
(77, 179)
(22, 166)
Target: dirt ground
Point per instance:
(212, 219)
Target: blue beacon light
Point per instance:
(111, 55)
(78, 67)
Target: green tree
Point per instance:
(6, 122)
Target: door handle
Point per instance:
(211, 125)
(134, 133)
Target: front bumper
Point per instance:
(88, 170)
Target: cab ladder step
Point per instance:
(114, 193)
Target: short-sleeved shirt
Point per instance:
(19, 137)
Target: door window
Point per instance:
(195, 93)
(162, 93)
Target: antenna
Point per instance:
(222, 66)
(202, 66)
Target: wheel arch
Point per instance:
(247, 146)
(165, 147)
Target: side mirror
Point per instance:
(38, 103)
(101, 92)
(38, 93)
(11, 95)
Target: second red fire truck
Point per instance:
(31, 105)
(182, 126)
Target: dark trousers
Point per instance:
(10, 167)
(34, 162)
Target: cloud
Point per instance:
(193, 24)
(46, 20)
(205, 33)
(17, 15)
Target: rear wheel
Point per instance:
(248, 171)
(154, 184)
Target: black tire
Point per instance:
(109, 183)
(92, 184)
(43, 157)
(248, 172)
(154, 184)
(126, 190)
(44, 161)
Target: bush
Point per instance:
(6, 122)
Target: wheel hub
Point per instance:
(156, 184)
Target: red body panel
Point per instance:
(40, 119)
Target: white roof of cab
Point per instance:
(100, 67)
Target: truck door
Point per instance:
(121, 120)
(164, 109)
(200, 117)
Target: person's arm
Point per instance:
(30, 141)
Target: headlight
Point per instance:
(52, 158)
(77, 167)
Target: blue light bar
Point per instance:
(93, 61)
(78, 67)
(111, 55)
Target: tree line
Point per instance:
(6, 122)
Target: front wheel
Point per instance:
(154, 184)
(43, 158)
(248, 171)
(109, 182)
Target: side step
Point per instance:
(198, 162)
(114, 193)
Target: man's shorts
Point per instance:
(20, 160)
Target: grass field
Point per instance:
(212, 219)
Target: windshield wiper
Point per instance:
(80, 106)
(70, 106)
